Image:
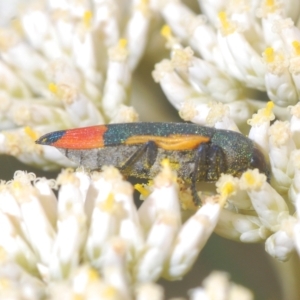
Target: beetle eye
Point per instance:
(258, 161)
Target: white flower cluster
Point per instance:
(66, 64)
(242, 44)
(257, 210)
(91, 241)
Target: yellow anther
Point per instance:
(143, 7)
(122, 43)
(119, 52)
(165, 162)
(296, 46)
(172, 42)
(166, 31)
(87, 17)
(270, 3)
(271, 6)
(226, 186)
(269, 55)
(223, 18)
(269, 109)
(93, 275)
(263, 115)
(52, 87)
(31, 133)
(226, 26)
(250, 179)
(16, 185)
(227, 189)
(109, 293)
(108, 204)
(77, 296)
(142, 190)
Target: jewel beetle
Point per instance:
(199, 153)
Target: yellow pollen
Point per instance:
(16, 185)
(140, 188)
(165, 163)
(269, 108)
(52, 87)
(226, 26)
(252, 180)
(269, 55)
(296, 46)
(93, 275)
(270, 6)
(31, 133)
(249, 178)
(270, 3)
(227, 189)
(263, 115)
(108, 204)
(166, 176)
(87, 17)
(4, 285)
(122, 43)
(223, 18)
(109, 293)
(166, 32)
(77, 297)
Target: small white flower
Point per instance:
(281, 147)
(241, 227)
(282, 243)
(268, 204)
(192, 238)
(173, 86)
(260, 124)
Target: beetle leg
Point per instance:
(149, 148)
(151, 154)
(200, 170)
(217, 163)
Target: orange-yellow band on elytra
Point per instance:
(171, 142)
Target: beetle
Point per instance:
(199, 153)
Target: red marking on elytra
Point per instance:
(82, 138)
